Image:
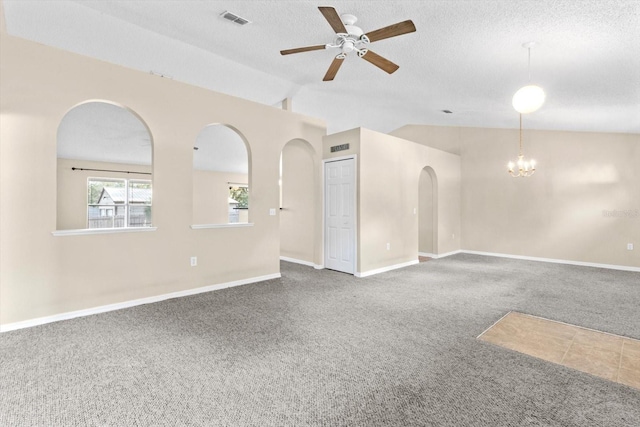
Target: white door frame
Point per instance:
(355, 209)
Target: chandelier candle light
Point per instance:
(525, 167)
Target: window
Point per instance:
(238, 203)
(118, 203)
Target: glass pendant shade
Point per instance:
(528, 99)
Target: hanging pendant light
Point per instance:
(531, 97)
(525, 167)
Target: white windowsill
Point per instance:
(229, 225)
(86, 231)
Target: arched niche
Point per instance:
(221, 181)
(298, 188)
(104, 168)
(428, 212)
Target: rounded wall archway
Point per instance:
(298, 196)
(221, 176)
(104, 168)
(428, 213)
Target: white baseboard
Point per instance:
(297, 261)
(555, 261)
(436, 256)
(446, 254)
(427, 254)
(132, 303)
(385, 269)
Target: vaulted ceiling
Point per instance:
(466, 56)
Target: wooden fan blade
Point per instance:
(333, 69)
(380, 62)
(302, 49)
(333, 18)
(398, 29)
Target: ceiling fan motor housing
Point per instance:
(352, 30)
(350, 38)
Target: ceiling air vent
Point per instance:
(234, 18)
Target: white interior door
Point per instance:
(340, 215)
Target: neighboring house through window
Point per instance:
(118, 203)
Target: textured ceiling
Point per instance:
(220, 149)
(466, 56)
(103, 132)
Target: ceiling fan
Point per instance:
(350, 38)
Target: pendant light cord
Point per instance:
(529, 66)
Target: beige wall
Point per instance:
(388, 175)
(445, 138)
(299, 212)
(351, 137)
(211, 195)
(558, 212)
(389, 171)
(42, 274)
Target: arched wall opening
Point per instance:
(104, 168)
(428, 212)
(221, 176)
(298, 196)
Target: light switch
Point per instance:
(272, 211)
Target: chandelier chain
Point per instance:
(521, 134)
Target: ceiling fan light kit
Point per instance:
(350, 38)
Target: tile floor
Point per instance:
(608, 356)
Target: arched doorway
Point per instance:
(298, 194)
(428, 213)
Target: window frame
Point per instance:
(115, 207)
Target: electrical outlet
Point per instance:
(388, 246)
(415, 211)
(629, 246)
(272, 212)
(194, 261)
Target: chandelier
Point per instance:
(525, 167)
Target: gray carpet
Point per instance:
(326, 349)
